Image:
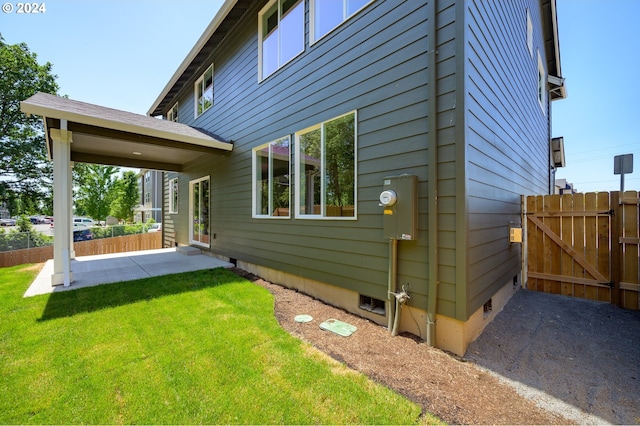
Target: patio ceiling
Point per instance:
(108, 136)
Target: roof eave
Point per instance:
(224, 10)
(36, 106)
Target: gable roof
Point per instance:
(223, 23)
(109, 136)
(552, 49)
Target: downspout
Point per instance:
(432, 183)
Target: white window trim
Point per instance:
(254, 191)
(261, 75)
(322, 171)
(191, 183)
(172, 115)
(541, 85)
(195, 91)
(173, 207)
(529, 33)
(312, 20)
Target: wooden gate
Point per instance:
(584, 245)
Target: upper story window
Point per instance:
(172, 115)
(281, 30)
(328, 14)
(326, 169)
(529, 33)
(204, 91)
(271, 170)
(542, 79)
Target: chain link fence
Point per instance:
(14, 240)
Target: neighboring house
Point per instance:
(321, 108)
(4, 211)
(150, 189)
(563, 187)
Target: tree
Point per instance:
(24, 169)
(126, 196)
(96, 190)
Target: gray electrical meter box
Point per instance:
(399, 200)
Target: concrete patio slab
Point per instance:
(96, 270)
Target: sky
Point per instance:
(122, 53)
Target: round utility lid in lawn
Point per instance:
(303, 318)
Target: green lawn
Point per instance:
(199, 347)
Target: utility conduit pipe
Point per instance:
(392, 280)
(401, 299)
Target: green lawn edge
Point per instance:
(192, 348)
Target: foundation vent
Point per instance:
(372, 305)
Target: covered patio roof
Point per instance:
(108, 136)
(82, 132)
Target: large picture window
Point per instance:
(271, 170)
(173, 196)
(199, 212)
(204, 91)
(326, 169)
(281, 29)
(328, 14)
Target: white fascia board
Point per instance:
(152, 129)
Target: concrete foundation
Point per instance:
(451, 334)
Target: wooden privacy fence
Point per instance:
(584, 245)
(125, 243)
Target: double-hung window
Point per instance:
(271, 170)
(326, 169)
(199, 212)
(281, 32)
(203, 91)
(172, 115)
(529, 33)
(542, 84)
(173, 196)
(328, 14)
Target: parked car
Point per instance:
(83, 221)
(155, 227)
(82, 235)
(7, 222)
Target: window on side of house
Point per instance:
(281, 29)
(173, 196)
(329, 14)
(326, 169)
(529, 33)
(172, 115)
(542, 79)
(199, 225)
(203, 91)
(271, 171)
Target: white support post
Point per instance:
(72, 252)
(62, 247)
